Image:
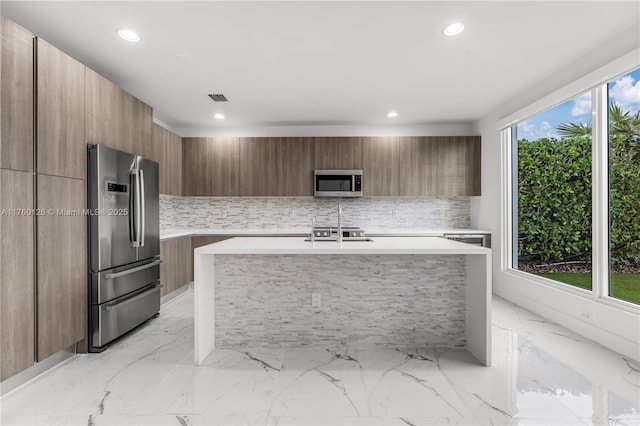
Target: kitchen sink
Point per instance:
(344, 240)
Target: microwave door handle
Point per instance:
(133, 231)
(353, 183)
(143, 202)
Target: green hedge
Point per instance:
(554, 201)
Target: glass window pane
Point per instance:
(624, 187)
(552, 193)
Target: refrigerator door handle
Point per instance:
(133, 196)
(132, 270)
(114, 306)
(143, 202)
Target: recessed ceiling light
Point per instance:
(219, 116)
(128, 35)
(392, 114)
(453, 29)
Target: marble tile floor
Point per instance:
(542, 375)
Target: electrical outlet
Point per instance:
(394, 213)
(316, 300)
(292, 213)
(222, 213)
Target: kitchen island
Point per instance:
(403, 292)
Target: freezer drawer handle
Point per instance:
(132, 270)
(133, 299)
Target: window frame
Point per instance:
(597, 83)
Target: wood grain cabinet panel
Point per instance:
(168, 147)
(197, 166)
(225, 166)
(61, 114)
(259, 166)
(380, 166)
(176, 268)
(459, 160)
(61, 264)
(115, 118)
(168, 267)
(295, 166)
(17, 300)
(338, 153)
(418, 171)
(16, 86)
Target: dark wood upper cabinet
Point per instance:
(60, 98)
(61, 265)
(295, 167)
(381, 166)
(197, 166)
(418, 157)
(225, 166)
(167, 148)
(258, 166)
(16, 86)
(17, 314)
(338, 153)
(458, 166)
(115, 118)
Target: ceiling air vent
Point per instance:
(218, 97)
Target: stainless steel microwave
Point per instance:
(337, 183)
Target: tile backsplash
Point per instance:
(297, 212)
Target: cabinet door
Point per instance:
(115, 118)
(458, 165)
(381, 166)
(225, 166)
(168, 267)
(16, 85)
(169, 157)
(197, 176)
(61, 264)
(60, 107)
(259, 166)
(295, 167)
(185, 264)
(17, 342)
(418, 171)
(338, 153)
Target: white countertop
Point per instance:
(379, 245)
(284, 232)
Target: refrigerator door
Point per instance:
(111, 181)
(149, 244)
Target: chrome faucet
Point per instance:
(339, 223)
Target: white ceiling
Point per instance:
(325, 63)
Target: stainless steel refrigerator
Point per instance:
(124, 243)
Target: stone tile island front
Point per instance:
(392, 292)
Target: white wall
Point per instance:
(595, 319)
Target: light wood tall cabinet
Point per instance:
(61, 264)
(381, 166)
(225, 166)
(197, 172)
(16, 86)
(60, 98)
(338, 153)
(167, 151)
(258, 166)
(115, 118)
(17, 300)
(295, 164)
(458, 171)
(418, 157)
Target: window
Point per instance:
(552, 193)
(574, 191)
(624, 187)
